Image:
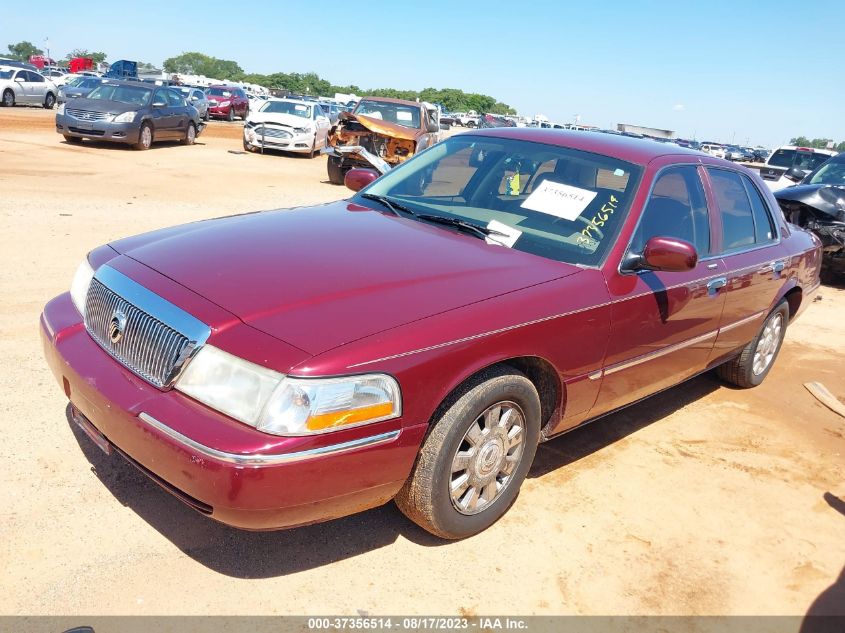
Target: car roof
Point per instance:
(808, 149)
(287, 100)
(391, 100)
(634, 150)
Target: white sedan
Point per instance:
(22, 86)
(290, 125)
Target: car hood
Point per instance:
(829, 199)
(104, 105)
(384, 128)
(320, 277)
(290, 120)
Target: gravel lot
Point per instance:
(702, 500)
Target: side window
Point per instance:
(37, 77)
(737, 217)
(764, 228)
(174, 98)
(677, 208)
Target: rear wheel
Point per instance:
(49, 101)
(246, 114)
(8, 98)
(145, 137)
(752, 366)
(190, 135)
(335, 170)
(476, 456)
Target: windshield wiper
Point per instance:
(476, 229)
(395, 207)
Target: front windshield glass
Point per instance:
(397, 113)
(831, 173)
(218, 92)
(134, 95)
(286, 107)
(559, 203)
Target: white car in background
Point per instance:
(290, 125)
(789, 164)
(19, 86)
(714, 150)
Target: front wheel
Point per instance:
(49, 101)
(190, 135)
(231, 116)
(335, 170)
(755, 361)
(72, 139)
(145, 137)
(8, 98)
(476, 456)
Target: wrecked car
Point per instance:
(817, 203)
(380, 133)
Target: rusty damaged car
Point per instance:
(380, 133)
(285, 367)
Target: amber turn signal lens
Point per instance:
(353, 416)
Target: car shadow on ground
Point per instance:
(827, 613)
(126, 147)
(243, 554)
(589, 438)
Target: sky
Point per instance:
(749, 72)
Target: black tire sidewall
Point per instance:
(515, 388)
(756, 379)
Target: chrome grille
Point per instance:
(87, 115)
(149, 347)
(273, 132)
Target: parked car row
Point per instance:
(26, 87)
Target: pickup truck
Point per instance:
(789, 164)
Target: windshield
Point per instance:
(134, 95)
(286, 107)
(831, 173)
(218, 92)
(556, 202)
(397, 113)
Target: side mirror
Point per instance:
(19, 79)
(195, 98)
(668, 254)
(357, 179)
(432, 126)
(794, 174)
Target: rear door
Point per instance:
(664, 323)
(754, 259)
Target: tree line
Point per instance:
(818, 143)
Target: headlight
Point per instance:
(126, 117)
(79, 285)
(60, 109)
(282, 405)
(223, 104)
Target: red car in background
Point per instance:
(418, 341)
(227, 102)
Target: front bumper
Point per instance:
(100, 130)
(294, 143)
(178, 442)
(219, 111)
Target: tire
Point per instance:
(313, 151)
(72, 139)
(751, 367)
(205, 116)
(470, 123)
(454, 490)
(335, 170)
(49, 101)
(145, 137)
(190, 135)
(8, 98)
(248, 147)
(231, 116)
(245, 114)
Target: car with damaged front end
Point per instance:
(286, 367)
(380, 133)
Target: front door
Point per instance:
(664, 324)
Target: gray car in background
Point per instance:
(129, 112)
(195, 97)
(78, 87)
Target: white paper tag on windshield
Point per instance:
(511, 235)
(555, 198)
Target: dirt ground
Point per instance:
(702, 500)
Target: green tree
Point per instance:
(841, 147)
(22, 51)
(193, 63)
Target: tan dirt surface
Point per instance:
(702, 500)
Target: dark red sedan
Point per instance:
(417, 341)
(227, 102)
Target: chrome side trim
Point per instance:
(737, 324)
(612, 369)
(596, 374)
(272, 459)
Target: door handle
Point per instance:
(714, 284)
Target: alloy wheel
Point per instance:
(768, 343)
